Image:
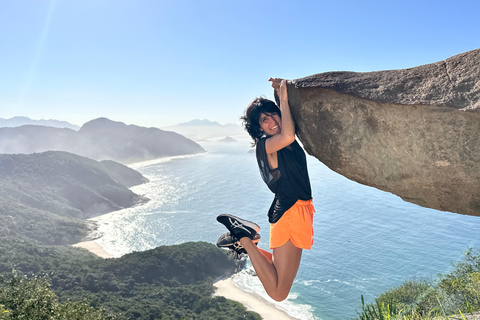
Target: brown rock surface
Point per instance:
(413, 132)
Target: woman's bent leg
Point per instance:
(277, 274)
(267, 254)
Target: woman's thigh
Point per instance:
(286, 260)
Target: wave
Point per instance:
(309, 282)
(147, 163)
(188, 193)
(247, 281)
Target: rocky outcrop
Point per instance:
(412, 132)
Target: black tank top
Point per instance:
(289, 182)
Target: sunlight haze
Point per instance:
(160, 63)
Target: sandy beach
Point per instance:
(267, 311)
(225, 288)
(93, 247)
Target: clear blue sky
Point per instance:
(159, 63)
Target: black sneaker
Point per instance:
(228, 241)
(239, 228)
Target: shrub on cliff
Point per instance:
(453, 293)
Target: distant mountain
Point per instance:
(197, 122)
(33, 138)
(21, 121)
(50, 190)
(228, 139)
(99, 139)
(199, 130)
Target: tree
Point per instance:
(23, 298)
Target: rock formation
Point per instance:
(412, 132)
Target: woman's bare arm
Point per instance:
(287, 134)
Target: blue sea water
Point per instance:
(366, 241)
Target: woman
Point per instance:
(283, 166)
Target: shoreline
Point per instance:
(224, 288)
(90, 243)
(93, 247)
(252, 302)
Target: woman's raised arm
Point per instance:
(287, 134)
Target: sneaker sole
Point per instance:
(228, 244)
(250, 224)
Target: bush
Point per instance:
(23, 298)
(454, 293)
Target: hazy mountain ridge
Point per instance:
(99, 139)
(34, 138)
(199, 130)
(198, 122)
(56, 189)
(228, 139)
(21, 121)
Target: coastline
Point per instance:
(252, 302)
(224, 288)
(93, 247)
(90, 242)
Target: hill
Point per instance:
(198, 122)
(167, 282)
(130, 143)
(199, 130)
(43, 200)
(46, 196)
(98, 139)
(21, 121)
(228, 140)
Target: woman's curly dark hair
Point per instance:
(252, 116)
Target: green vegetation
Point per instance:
(45, 197)
(171, 282)
(457, 293)
(24, 298)
(43, 201)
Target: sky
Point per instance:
(157, 63)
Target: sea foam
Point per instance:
(247, 281)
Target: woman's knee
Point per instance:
(279, 295)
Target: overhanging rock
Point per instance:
(413, 132)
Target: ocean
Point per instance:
(366, 241)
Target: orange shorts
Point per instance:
(296, 224)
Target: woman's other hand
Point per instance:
(280, 85)
(276, 82)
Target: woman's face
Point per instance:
(270, 123)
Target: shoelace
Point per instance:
(236, 224)
(237, 246)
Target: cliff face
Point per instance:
(412, 132)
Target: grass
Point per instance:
(453, 295)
